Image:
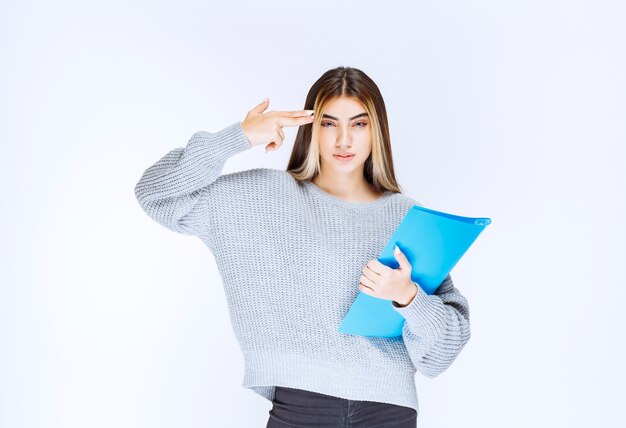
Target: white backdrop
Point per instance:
(508, 110)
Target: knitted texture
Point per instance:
(290, 256)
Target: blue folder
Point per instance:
(433, 242)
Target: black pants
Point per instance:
(299, 408)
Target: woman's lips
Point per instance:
(343, 158)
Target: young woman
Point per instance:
(294, 248)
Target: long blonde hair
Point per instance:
(304, 163)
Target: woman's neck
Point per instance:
(358, 189)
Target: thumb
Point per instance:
(401, 258)
(260, 108)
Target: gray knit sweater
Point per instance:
(290, 256)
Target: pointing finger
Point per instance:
(296, 113)
(295, 120)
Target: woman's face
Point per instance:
(345, 127)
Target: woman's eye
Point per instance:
(362, 124)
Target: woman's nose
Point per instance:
(344, 139)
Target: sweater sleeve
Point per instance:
(436, 327)
(176, 190)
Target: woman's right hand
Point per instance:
(261, 128)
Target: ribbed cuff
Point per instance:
(226, 142)
(425, 314)
(243, 134)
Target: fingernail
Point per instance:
(396, 250)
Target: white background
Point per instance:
(509, 110)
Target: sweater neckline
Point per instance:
(343, 202)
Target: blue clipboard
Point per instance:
(433, 242)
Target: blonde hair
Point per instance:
(378, 171)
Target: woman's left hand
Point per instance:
(386, 283)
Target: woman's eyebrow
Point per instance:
(352, 118)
